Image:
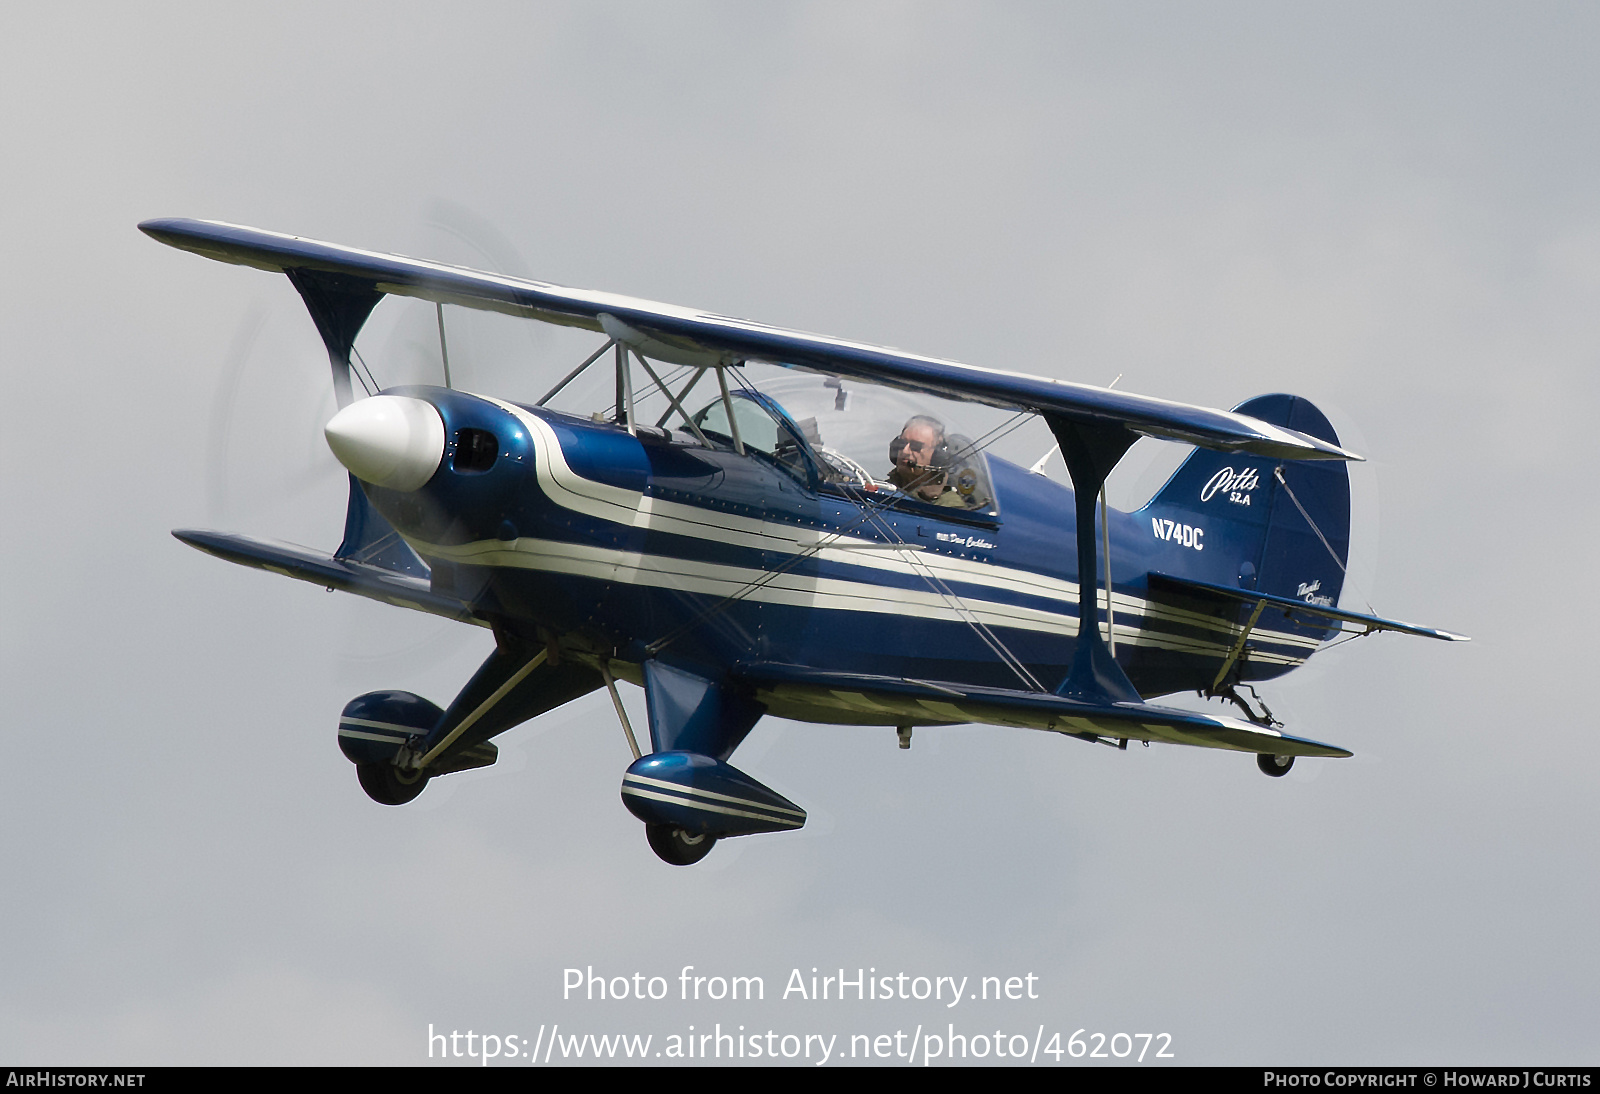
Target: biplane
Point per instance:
(786, 549)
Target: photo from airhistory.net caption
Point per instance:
(956, 1019)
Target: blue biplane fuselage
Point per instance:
(657, 545)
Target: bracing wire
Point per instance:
(954, 601)
(1277, 473)
(657, 385)
(372, 387)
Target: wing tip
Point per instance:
(158, 228)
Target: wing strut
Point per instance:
(1105, 551)
(573, 375)
(622, 713)
(444, 349)
(1238, 647)
(339, 306)
(727, 403)
(625, 413)
(1091, 451)
(673, 399)
(683, 393)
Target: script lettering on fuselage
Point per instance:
(1185, 534)
(1234, 485)
(1308, 592)
(960, 540)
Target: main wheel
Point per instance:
(386, 784)
(676, 847)
(1276, 766)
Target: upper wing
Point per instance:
(687, 336)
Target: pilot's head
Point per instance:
(920, 458)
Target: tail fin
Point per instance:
(1279, 527)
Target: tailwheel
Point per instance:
(386, 784)
(677, 847)
(1276, 766)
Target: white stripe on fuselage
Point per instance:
(714, 579)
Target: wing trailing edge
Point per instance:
(677, 333)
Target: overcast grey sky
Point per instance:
(1388, 208)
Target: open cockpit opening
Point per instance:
(475, 450)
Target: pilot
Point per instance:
(922, 462)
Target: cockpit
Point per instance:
(856, 439)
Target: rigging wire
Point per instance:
(1277, 473)
(761, 582)
(657, 385)
(967, 615)
(371, 388)
(1349, 636)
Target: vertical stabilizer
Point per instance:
(1272, 526)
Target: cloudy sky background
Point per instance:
(1390, 209)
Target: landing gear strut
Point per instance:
(386, 784)
(1276, 766)
(1263, 718)
(677, 847)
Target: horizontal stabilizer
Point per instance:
(1292, 607)
(857, 698)
(685, 335)
(372, 582)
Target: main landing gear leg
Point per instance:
(1264, 718)
(398, 741)
(684, 790)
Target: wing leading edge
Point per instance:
(685, 335)
(373, 582)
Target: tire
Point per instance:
(1276, 766)
(386, 784)
(676, 847)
